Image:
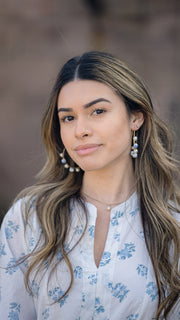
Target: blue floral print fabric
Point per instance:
(123, 287)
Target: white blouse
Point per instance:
(123, 287)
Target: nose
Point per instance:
(82, 128)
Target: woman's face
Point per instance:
(95, 127)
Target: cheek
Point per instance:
(120, 129)
(64, 137)
(120, 136)
(67, 140)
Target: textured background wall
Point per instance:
(38, 36)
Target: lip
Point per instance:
(87, 148)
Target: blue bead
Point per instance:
(135, 145)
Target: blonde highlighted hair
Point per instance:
(155, 171)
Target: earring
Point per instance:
(66, 165)
(134, 149)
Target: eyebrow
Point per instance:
(87, 105)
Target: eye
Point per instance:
(99, 111)
(67, 119)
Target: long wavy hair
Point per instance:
(155, 172)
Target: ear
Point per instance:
(137, 119)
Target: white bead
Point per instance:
(61, 155)
(77, 169)
(135, 155)
(63, 160)
(135, 138)
(66, 166)
(108, 208)
(71, 169)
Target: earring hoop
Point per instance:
(134, 149)
(66, 165)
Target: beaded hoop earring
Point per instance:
(66, 165)
(134, 149)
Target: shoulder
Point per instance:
(17, 213)
(18, 231)
(176, 216)
(13, 219)
(175, 211)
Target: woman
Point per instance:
(97, 236)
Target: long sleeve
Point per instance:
(108, 292)
(15, 301)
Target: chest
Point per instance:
(101, 233)
(123, 283)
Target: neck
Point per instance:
(110, 186)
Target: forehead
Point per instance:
(83, 91)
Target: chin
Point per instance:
(91, 167)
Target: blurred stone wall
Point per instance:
(38, 36)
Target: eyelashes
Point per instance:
(95, 112)
(99, 111)
(67, 119)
